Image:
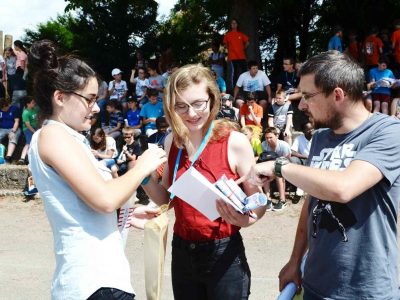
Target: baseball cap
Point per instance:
(116, 71)
(227, 97)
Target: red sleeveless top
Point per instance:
(190, 224)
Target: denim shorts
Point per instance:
(216, 269)
(28, 136)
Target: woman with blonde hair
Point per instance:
(208, 257)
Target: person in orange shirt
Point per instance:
(251, 113)
(236, 42)
(372, 49)
(396, 45)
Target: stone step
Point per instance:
(13, 177)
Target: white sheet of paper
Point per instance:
(196, 190)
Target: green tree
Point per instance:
(108, 32)
(58, 30)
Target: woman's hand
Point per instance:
(150, 160)
(142, 214)
(230, 215)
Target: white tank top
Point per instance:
(88, 246)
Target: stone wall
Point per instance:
(12, 177)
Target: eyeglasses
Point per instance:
(307, 97)
(198, 106)
(90, 102)
(127, 136)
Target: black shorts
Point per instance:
(260, 95)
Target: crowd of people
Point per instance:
(198, 122)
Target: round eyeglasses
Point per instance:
(198, 106)
(90, 101)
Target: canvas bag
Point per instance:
(155, 244)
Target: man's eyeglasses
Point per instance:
(127, 136)
(198, 106)
(90, 102)
(307, 97)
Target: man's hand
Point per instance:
(261, 173)
(290, 273)
(142, 214)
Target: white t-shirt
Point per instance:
(110, 145)
(141, 85)
(302, 145)
(282, 148)
(252, 84)
(119, 90)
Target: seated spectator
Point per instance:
(130, 150)
(104, 149)
(171, 68)
(156, 80)
(280, 116)
(251, 113)
(162, 131)
(255, 81)
(9, 126)
(115, 120)
(253, 134)
(133, 116)
(227, 110)
(118, 89)
(141, 83)
(151, 111)
(281, 148)
(380, 94)
(220, 83)
(29, 125)
(301, 145)
(395, 108)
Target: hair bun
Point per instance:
(43, 54)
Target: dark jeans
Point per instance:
(211, 270)
(308, 295)
(238, 67)
(111, 294)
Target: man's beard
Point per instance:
(333, 121)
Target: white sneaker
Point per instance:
(299, 192)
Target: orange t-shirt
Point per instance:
(235, 41)
(244, 111)
(372, 45)
(396, 42)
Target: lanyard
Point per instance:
(196, 156)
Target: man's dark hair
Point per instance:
(333, 69)
(111, 103)
(272, 130)
(383, 59)
(152, 92)
(291, 59)
(252, 63)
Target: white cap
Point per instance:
(116, 71)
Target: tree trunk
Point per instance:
(246, 13)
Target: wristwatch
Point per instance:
(279, 162)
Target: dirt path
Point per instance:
(27, 261)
